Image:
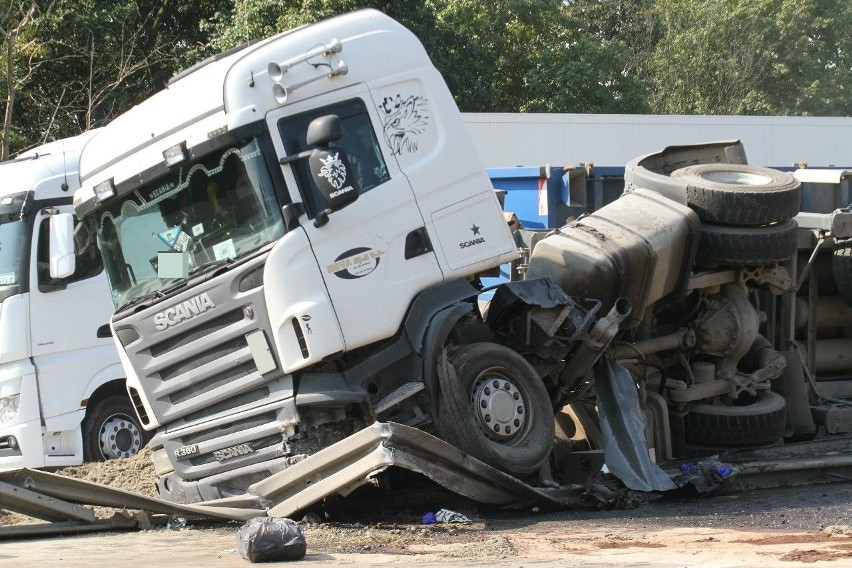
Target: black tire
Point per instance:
(738, 194)
(747, 246)
(111, 430)
(483, 386)
(841, 266)
(756, 424)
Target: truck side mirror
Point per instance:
(330, 167)
(62, 258)
(334, 177)
(324, 130)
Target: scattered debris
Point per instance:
(706, 477)
(447, 516)
(176, 523)
(606, 491)
(444, 516)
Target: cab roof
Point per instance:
(45, 169)
(236, 89)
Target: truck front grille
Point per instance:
(203, 366)
(226, 443)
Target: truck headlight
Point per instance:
(9, 407)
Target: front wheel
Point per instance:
(111, 430)
(494, 406)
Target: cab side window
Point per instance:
(88, 263)
(359, 141)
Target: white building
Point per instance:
(505, 139)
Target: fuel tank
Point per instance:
(640, 246)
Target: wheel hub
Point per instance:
(119, 437)
(737, 178)
(499, 407)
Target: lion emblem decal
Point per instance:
(333, 170)
(404, 120)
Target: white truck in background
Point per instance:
(63, 396)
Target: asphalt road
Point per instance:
(778, 527)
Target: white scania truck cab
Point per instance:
(62, 388)
(279, 227)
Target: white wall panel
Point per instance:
(612, 140)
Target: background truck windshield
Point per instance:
(12, 246)
(211, 211)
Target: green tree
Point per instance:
(96, 58)
(751, 57)
(22, 54)
(534, 56)
(812, 74)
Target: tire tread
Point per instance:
(705, 424)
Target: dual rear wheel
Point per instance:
(746, 212)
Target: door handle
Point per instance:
(417, 243)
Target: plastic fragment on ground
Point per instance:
(447, 516)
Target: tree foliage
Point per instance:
(751, 57)
(22, 54)
(70, 65)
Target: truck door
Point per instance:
(375, 254)
(64, 318)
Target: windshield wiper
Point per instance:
(211, 264)
(139, 299)
(155, 295)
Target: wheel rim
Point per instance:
(500, 407)
(119, 437)
(736, 178)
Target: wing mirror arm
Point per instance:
(322, 217)
(295, 157)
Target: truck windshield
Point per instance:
(212, 211)
(11, 251)
(12, 238)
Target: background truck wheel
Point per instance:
(841, 265)
(738, 194)
(494, 406)
(111, 430)
(728, 244)
(757, 424)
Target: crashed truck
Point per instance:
(294, 234)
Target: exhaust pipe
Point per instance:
(593, 346)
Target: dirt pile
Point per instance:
(134, 474)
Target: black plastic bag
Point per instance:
(271, 539)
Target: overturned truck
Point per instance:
(294, 234)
